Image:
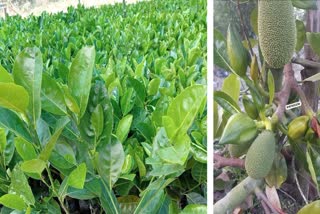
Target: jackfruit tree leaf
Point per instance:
(199, 172)
(153, 196)
(315, 158)
(271, 87)
(12, 201)
(5, 76)
(27, 72)
(314, 41)
(52, 97)
(253, 43)
(109, 160)
(194, 209)
(313, 207)
(278, 172)
(313, 78)
(78, 176)
(226, 102)
(231, 86)
(20, 186)
(124, 127)
(183, 110)
(301, 35)
(33, 166)
(305, 4)
(13, 97)
(47, 150)
(220, 51)
(254, 20)
(238, 55)
(80, 75)
(25, 149)
(311, 166)
(128, 203)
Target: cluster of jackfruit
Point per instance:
(276, 31)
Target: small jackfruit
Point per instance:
(276, 31)
(260, 155)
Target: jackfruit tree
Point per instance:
(266, 116)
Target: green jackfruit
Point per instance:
(260, 155)
(276, 31)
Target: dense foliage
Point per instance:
(104, 109)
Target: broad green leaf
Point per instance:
(80, 75)
(314, 41)
(195, 198)
(91, 189)
(231, 86)
(301, 35)
(141, 166)
(20, 186)
(183, 109)
(5, 77)
(152, 197)
(98, 96)
(78, 176)
(27, 72)
(194, 209)
(63, 157)
(238, 55)
(313, 207)
(220, 51)
(3, 140)
(315, 158)
(226, 102)
(97, 120)
(13, 201)
(9, 149)
(33, 166)
(124, 127)
(198, 153)
(253, 43)
(25, 149)
(313, 78)
(128, 203)
(193, 55)
(311, 167)
(278, 172)
(108, 200)
(109, 160)
(199, 172)
(70, 101)
(305, 4)
(13, 97)
(271, 87)
(254, 20)
(52, 98)
(46, 152)
(153, 86)
(127, 101)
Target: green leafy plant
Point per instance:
(106, 109)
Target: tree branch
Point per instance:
(282, 96)
(220, 161)
(237, 195)
(305, 63)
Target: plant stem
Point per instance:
(305, 63)
(55, 192)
